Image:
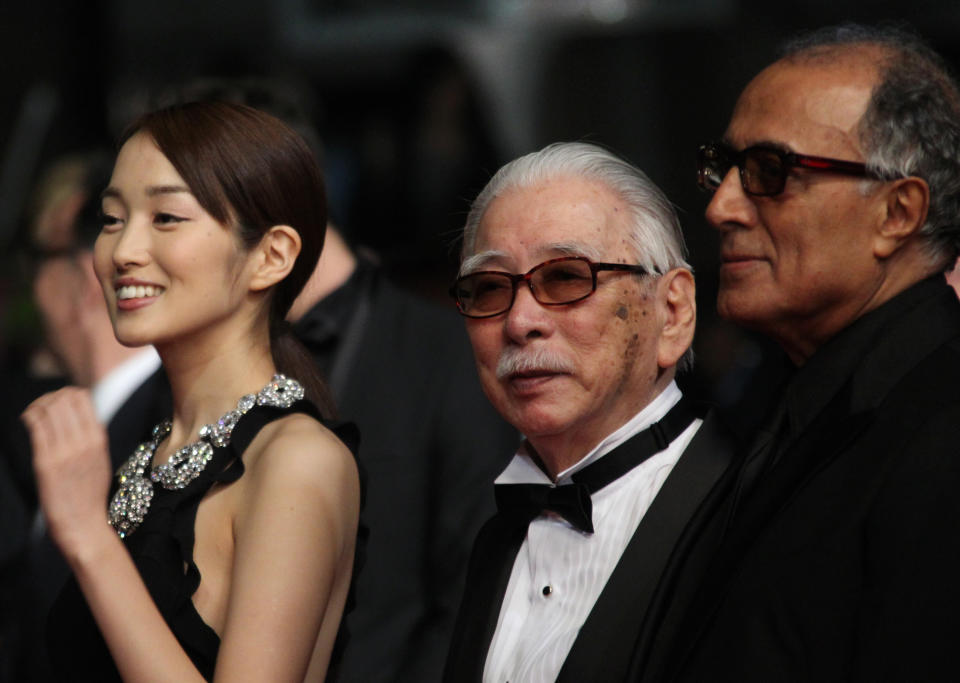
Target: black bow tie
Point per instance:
(570, 501)
(523, 502)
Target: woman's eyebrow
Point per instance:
(151, 191)
(154, 190)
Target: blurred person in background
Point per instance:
(78, 347)
(76, 324)
(953, 278)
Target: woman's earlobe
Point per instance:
(275, 256)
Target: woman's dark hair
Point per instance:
(249, 170)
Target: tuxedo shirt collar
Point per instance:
(523, 468)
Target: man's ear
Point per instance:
(905, 212)
(677, 301)
(273, 257)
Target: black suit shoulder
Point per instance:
(840, 564)
(637, 613)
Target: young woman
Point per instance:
(230, 546)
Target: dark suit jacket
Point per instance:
(619, 633)
(147, 406)
(430, 445)
(843, 562)
(41, 571)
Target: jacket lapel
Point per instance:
(488, 573)
(828, 437)
(617, 632)
(923, 320)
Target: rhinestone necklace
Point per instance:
(132, 500)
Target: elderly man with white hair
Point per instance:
(580, 309)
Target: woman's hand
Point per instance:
(72, 465)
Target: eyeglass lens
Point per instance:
(762, 171)
(552, 283)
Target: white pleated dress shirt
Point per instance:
(560, 571)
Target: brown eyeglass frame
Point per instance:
(517, 278)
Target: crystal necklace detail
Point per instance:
(131, 502)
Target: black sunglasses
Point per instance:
(764, 168)
(558, 281)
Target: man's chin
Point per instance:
(538, 420)
(743, 308)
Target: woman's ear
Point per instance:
(274, 257)
(676, 294)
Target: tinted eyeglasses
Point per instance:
(764, 169)
(558, 281)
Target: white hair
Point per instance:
(655, 236)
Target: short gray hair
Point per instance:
(655, 235)
(911, 126)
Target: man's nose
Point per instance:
(730, 205)
(527, 318)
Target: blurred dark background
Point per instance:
(417, 102)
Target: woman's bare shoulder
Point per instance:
(298, 451)
(294, 530)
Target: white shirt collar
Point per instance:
(119, 384)
(522, 469)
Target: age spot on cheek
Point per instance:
(632, 347)
(622, 312)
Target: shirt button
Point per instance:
(547, 591)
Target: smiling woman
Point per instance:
(204, 573)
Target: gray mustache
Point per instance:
(514, 360)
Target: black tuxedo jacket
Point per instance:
(622, 630)
(41, 571)
(843, 562)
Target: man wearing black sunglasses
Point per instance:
(836, 194)
(580, 307)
